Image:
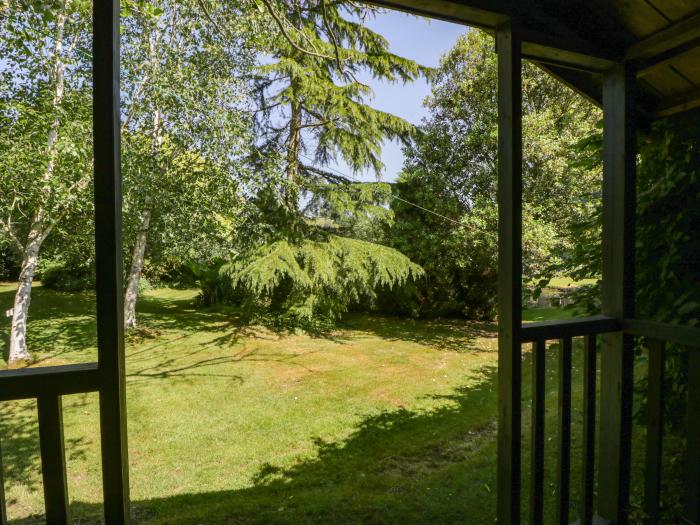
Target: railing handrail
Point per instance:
(29, 383)
(688, 336)
(549, 330)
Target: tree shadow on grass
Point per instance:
(19, 442)
(455, 335)
(59, 323)
(398, 466)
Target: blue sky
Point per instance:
(419, 39)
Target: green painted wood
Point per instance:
(564, 433)
(108, 209)
(53, 460)
(670, 38)
(537, 431)
(589, 417)
(30, 383)
(671, 333)
(691, 512)
(619, 203)
(655, 430)
(509, 273)
(551, 330)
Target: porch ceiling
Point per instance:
(577, 39)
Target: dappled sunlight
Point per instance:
(373, 417)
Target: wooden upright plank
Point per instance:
(3, 503)
(108, 209)
(564, 436)
(589, 413)
(509, 272)
(619, 202)
(691, 512)
(655, 430)
(537, 428)
(53, 460)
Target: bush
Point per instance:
(64, 277)
(9, 265)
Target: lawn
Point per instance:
(384, 421)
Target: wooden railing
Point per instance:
(656, 336)
(47, 385)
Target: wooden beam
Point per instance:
(558, 43)
(668, 39)
(108, 249)
(478, 13)
(509, 273)
(619, 206)
(29, 383)
(679, 104)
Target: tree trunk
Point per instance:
(293, 150)
(138, 255)
(41, 223)
(137, 259)
(20, 312)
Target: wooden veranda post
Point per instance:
(509, 271)
(108, 210)
(619, 207)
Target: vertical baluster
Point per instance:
(53, 460)
(655, 431)
(692, 495)
(538, 414)
(589, 412)
(564, 438)
(3, 506)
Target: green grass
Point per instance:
(567, 282)
(384, 421)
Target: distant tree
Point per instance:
(313, 108)
(186, 84)
(452, 169)
(312, 111)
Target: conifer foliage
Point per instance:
(297, 255)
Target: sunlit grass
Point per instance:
(384, 421)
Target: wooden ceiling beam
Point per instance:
(544, 37)
(679, 104)
(664, 45)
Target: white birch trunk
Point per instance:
(18, 333)
(137, 259)
(41, 226)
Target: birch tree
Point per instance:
(45, 157)
(187, 131)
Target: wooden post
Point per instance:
(509, 272)
(108, 209)
(619, 203)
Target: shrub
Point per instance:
(64, 277)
